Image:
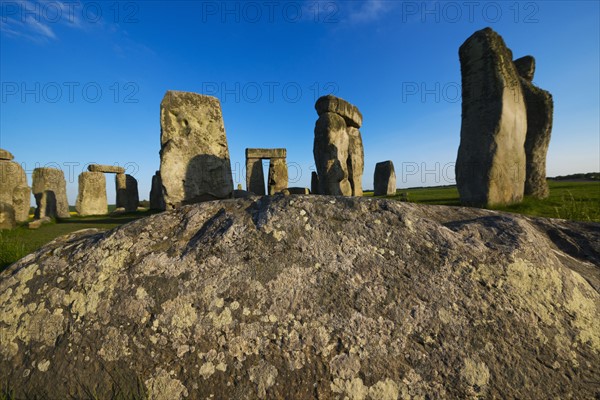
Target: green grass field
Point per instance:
(579, 201)
(21, 241)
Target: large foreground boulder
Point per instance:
(490, 166)
(194, 155)
(308, 297)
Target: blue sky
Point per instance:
(82, 81)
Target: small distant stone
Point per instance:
(39, 222)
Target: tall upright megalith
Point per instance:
(338, 148)
(490, 167)
(127, 192)
(157, 200)
(14, 191)
(278, 175)
(540, 108)
(194, 156)
(49, 188)
(91, 199)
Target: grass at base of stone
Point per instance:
(577, 201)
(17, 243)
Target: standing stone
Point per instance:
(194, 156)
(22, 202)
(384, 179)
(331, 155)
(490, 168)
(157, 201)
(12, 177)
(49, 188)
(127, 192)
(278, 175)
(338, 148)
(91, 199)
(255, 178)
(540, 107)
(356, 158)
(7, 216)
(314, 183)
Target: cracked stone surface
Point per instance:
(308, 297)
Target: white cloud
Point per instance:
(369, 11)
(37, 21)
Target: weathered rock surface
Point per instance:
(127, 192)
(7, 216)
(12, 182)
(107, 169)
(525, 67)
(157, 200)
(6, 155)
(540, 109)
(490, 167)
(313, 296)
(194, 157)
(91, 199)
(22, 202)
(255, 177)
(331, 155)
(297, 190)
(278, 175)
(314, 182)
(384, 179)
(349, 112)
(338, 147)
(356, 160)
(49, 188)
(266, 153)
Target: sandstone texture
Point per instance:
(338, 147)
(194, 156)
(333, 104)
(157, 200)
(13, 183)
(91, 199)
(266, 153)
(22, 202)
(49, 188)
(278, 175)
(308, 297)
(525, 67)
(490, 167)
(384, 179)
(356, 160)
(107, 169)
(127, 192)
(6, 155)
(540, 109)
(7, 216)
